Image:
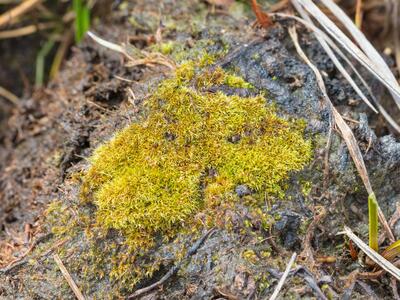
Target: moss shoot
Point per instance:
(187, 156)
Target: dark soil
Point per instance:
(51, 135)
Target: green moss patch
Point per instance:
(187, 156)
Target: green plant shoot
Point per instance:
(373, 222)
(82, 19)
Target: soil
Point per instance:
(50, 136)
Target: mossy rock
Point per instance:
(187, 155)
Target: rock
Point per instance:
(288, 228)
(242, 190)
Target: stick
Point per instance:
(175, 268)
(284, 276)
(68, 278)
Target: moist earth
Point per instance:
(51, 135)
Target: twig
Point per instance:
(284, 276)
(174, 269)
(15, 12)
(68, 277)
(349, 285)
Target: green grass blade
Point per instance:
(40, 62)
(82, 19)
(85, 20)
(373, 222)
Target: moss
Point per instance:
(187, 155)
(306, 187)
(250, 256)
(238, 82)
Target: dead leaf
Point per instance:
(262, 18)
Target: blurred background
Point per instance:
(36, 36)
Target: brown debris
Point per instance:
(263, 18)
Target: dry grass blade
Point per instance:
(378, 259)
(363, 42)
(107, 44)
(359, 37)
(61, 52)
(392, 251)
(17, 11)
(372, 65)
(347, 134)
(345, 130)
(68, 278)
(283, 278)
(331, 44)
(359, 14)
(9, 96)
(332, 56)
(145, 59)
(26, 30)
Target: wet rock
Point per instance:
(270, 66)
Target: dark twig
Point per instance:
(192, 250)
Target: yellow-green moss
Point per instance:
(188, 155)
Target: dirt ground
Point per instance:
(48, 139)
